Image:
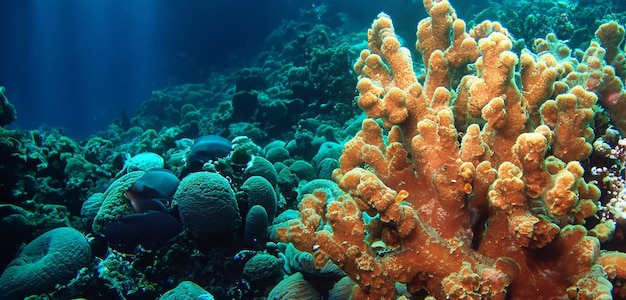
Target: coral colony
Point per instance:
(494, 172)
(474, 178)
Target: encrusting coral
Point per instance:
(474, 186)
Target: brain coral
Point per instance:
(115, 204)
(261, 167)
(207, 204)
(187, 290)
(52, 258)
(303, 170)
(294, 287)
(262, 266)
(261, 192)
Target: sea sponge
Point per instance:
(207, 204)
(8, 113)
(52, 258)
(260, 191)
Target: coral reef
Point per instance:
(481, 169)
(570, 21)
(472, 185)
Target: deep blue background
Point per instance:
(76, 64)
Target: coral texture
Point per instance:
(473, 184)
(187, 290)
(115, 204)
(52, 258)
(207, 204)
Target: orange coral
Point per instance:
(477, 190)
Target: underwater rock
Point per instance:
(8, 113)
(151, 230)
(153, 191)
(52, 258)
(244, 106)
(250, 79)
(205, 148)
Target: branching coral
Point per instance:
(493, 198)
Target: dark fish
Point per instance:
(209, 147)
(150, 230)
(204, 149)
(153, 191)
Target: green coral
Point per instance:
(115, 204)
(120, 275)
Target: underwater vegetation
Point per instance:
(339, 166)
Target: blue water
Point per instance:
(76, 64)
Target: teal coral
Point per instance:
(53, 258)
(260, 191)
(187, 290)
(263, 266)
(207, 204)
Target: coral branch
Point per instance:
(473, 185)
